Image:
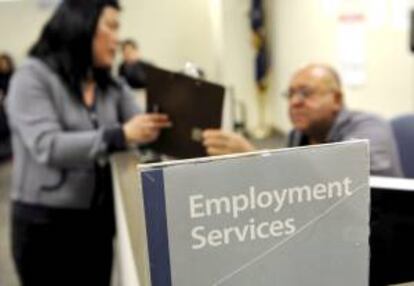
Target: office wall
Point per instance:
(171, 32)
(20, 24)
(237, 56)
(306, 31)
(212, 33)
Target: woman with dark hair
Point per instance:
(67, 114)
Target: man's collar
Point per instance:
(341, 118)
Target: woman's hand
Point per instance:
(145, 128)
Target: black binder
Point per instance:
(193, 105)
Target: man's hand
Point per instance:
(218, 142)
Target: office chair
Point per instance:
(403, 128)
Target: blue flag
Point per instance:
(257, 24)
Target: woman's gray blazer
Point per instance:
(54, 141)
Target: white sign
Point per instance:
(286, 217)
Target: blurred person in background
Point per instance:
(318, 114)
(132, 68)
(6, 71)
(67, 115)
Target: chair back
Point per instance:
(403, 128)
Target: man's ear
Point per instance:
(338, 99)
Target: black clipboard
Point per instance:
(192, 105)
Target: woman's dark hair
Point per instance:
(65, 43)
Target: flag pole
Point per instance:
(262, 66)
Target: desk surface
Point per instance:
(401, 184)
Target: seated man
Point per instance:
(318, 114)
